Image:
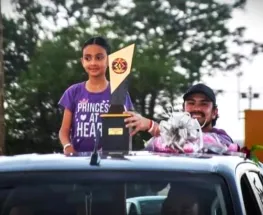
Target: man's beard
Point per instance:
(203, 121)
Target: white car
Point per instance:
(162, 184)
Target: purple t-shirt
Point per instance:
(86, 108)
(222, 135)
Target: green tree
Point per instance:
(177, 42)
(36, 115)
(21, 35)
(20, 38)
(2, 113)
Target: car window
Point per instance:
(251, 196)
(256, 182)
(114, 193)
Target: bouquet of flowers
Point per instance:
(183, 134)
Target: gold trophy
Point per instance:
(116, 139)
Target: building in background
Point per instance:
(254, 130)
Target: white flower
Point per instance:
(180, 129)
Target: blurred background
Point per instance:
(178, 43)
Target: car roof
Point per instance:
(140, 160)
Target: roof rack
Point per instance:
(160, 154)
(194, 155)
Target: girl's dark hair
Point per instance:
(99, 40)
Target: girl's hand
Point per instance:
(69, 149)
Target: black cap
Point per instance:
(201, 88)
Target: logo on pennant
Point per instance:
(119, 65)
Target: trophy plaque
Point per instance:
(116, 139)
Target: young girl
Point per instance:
(84, 102)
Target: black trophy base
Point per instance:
(116, 139)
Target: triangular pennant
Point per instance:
(120, 66)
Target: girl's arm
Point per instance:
(64, 132)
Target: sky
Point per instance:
(252, 76)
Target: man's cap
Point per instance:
(201, 88)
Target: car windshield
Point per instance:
(136, 193)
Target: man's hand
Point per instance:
(137, 122)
